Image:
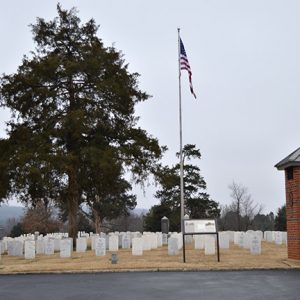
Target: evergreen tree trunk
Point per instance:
(97, 221)
(72, 200)
(238, 216)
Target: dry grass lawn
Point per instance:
(273, 256)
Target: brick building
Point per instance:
(291, 167)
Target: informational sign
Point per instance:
(199, 226)
(196, 227)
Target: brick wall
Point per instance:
(292, 187)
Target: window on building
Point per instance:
(290, 173)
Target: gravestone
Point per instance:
(247, 239)
(113, 241)
(268, 236)
(165, 225)
(231, 235)
(93, 239)
(100, 247)
(49, 246)
(165, 239)
(224, 240)
(2, 247)
(189, 227)
(241, 239)
(278, 238)
(173, 246)
(273, 236)
(120, 237)
(40, 246)
(259, 234)
(199, 241)
(29, 250)
(255, 245)
(159, 239)
(15, 248)
(126, 241)
(209, 245)
(137, 246)
(81, 244)
(57, 244)
(180, 240)
(236, 236)
(65, 248)
(153, 239)
(146, 242)
(284, 237)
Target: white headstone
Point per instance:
(153, 241)
(100, 247)
(173, 246)
(29, 250)
(241, 239)
(224, 240)
(159, 239)
(93, 239)
(231, 235)
(81, 244)
(209, 245)
(255, 245)
(125, 241)
(189, 227)
(15, 248)
(199, 241)
(57, 244)
(49, 246)
(259, 234)
(180, 240)
(268, 236)
(40, 246)
(165, 239)
(1, 247)
(278, 238)
(113, 241)
(284, 237)
(146, 242)
(247, 239)
(236, 237)
(137, 246)
(65, 248)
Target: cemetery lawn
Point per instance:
(272, 257)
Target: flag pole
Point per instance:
(180, 138)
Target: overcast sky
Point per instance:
(246, 72)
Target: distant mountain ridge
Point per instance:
(140, 211)
(8, 212)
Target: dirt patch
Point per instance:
(272, 257)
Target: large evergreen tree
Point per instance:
(280, 219)
(73, 132)
(198, 204)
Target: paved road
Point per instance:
(265, 284)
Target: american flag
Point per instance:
(184, 65)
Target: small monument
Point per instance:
(164, 225)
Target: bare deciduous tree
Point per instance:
(243, 206)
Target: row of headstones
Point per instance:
(277, 237)
(135, 240)
(250, 240)
(28, 247)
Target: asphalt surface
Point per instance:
(263, 284)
